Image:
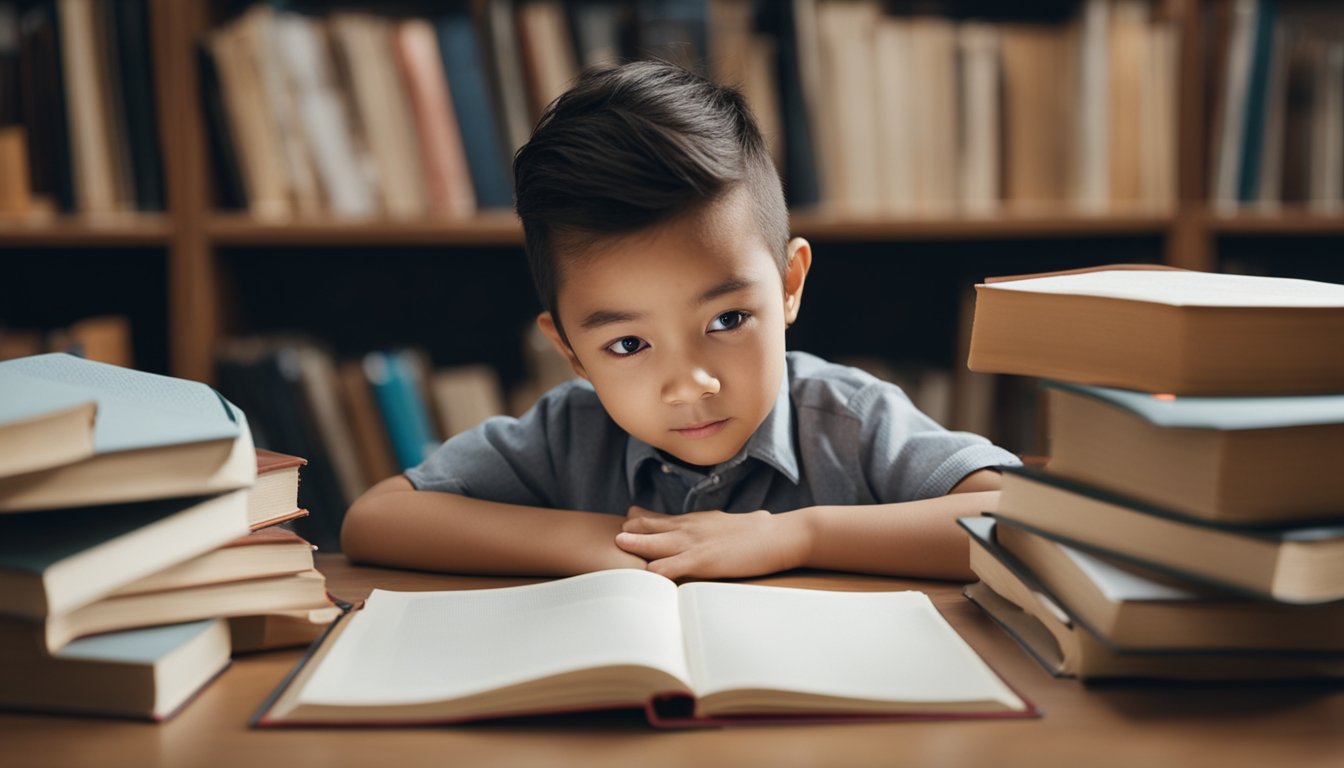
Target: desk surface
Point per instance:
(1119, 724)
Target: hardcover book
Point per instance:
(1164, 330)
(696, 654)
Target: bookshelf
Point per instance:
(205, 252)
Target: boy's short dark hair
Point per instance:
(632, 146)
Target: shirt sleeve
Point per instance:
(504, 459)
(907, 455)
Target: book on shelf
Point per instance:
(1163, 330)
(102, 338)
(633, 639)
(447, 176)
(153, 436)
(259, 554)
(1131, 609)
(1289, 564)
(1066, 647)
(464, 64)
(274, 497)
(464, 396)
(135, 64)
(400, 400)
(43, 107)
(15, 196)
(1237, 460)
(280, 629)
(376, 459)
(297, 591)
(148, 673)
(55, 561)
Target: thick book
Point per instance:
(280, 629)
(43, 426)
(263, 553)
(1288, 564)
(1237, 460)
(274, 497)
(55, 561)
(154, 437)
(1063, 643)
(145, 674)
(1164, 330)
(299, 591)
(1131, 609)
(701, 653)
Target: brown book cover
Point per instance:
(1163, 330)
(371, 440)
(445, 157)
(274, 497)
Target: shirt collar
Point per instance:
(772, 443)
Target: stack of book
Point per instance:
(1189, 522)
(135, 540)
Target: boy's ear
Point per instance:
(547, 325)
(800, 261)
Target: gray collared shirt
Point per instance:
(836, 436)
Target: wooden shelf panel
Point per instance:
(109, 231)
(1283, 222)
(833, 227)
(503, 229)
(487, 229)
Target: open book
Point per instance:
(696, 654)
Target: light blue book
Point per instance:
(392, 378)
(153, 436)
(1236, 460)
(145, 673)
(54, 561)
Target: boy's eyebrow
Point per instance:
(731, 285)
(603, 317)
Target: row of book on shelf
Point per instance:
(1277, 87)
(78, 128)
(865, 111)
(142, 540)
(1189, 523)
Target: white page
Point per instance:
(890, 646)
(409, 647)
(1177, 288)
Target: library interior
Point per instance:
(257, 256)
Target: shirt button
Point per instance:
(667, 469)
(713, 478)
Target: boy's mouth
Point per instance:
(702, 429)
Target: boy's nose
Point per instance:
(689, 384)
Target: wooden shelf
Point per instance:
(833, 227)
(1282, 222)
(501, 228)
(103, 231)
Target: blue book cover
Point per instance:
(1253, 137)
(392, 379)
(477, 115)
(135, 410)
(1222, 413)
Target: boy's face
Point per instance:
(680, 328)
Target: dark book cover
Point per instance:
(601, 30)
(230, 193)
(10, 112)
(801, 184)
(43, 105)
(134, 54)
(477, 113)
(1253, 138)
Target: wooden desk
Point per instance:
(1123, 725)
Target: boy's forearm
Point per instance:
(393, 524)
(916, 538)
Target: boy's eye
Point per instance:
(728, 320)
(626, 346)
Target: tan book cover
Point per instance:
(446, 175)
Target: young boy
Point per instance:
(692, 444)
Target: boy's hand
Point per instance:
(715, 544)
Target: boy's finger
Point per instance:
(648, 546)
(678, 566)
(637, 511)
(648, 525)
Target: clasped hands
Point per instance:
(715, 544)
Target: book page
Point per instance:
(868, 646)
(1176, 288)
(416, 647)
